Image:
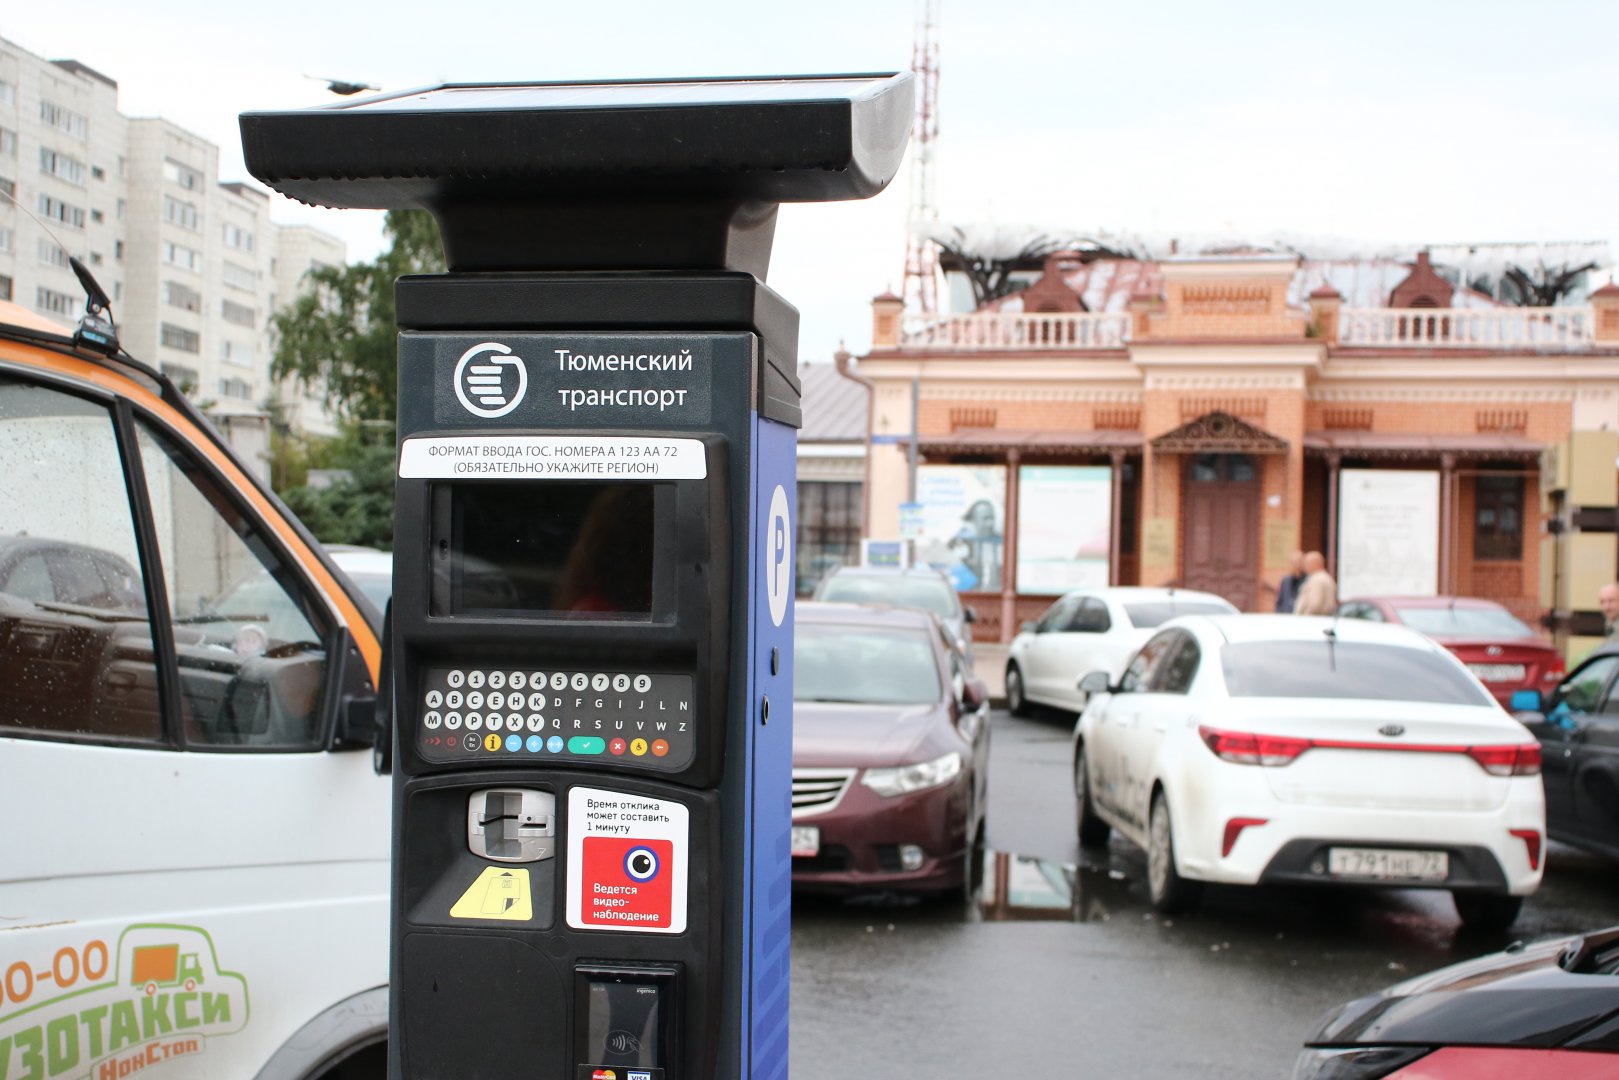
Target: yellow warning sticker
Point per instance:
(499, 893)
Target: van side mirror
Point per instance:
(1096, 682)
(974, 694)
(382, 749)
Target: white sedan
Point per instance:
(1091, 630)
(1258, 749)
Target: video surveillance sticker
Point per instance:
(628, 861)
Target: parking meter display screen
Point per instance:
(552, 550)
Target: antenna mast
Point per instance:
(921, 255)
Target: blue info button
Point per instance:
(586, 744)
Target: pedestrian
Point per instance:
(1287, 593)
(1608, 603)
(1319, 593)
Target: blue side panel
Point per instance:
(775, 517)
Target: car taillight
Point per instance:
(1233, 829)
(1554, 674)
(1243, 748)
(1531, 842)
(1514, 760)
(1246, 748)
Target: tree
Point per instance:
(339, 336)
(1544, 285)
(357, 508)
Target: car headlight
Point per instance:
(1355, 1063)
(905, 779)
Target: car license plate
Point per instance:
(1382, 864)
(1498, 672)
(806, 841)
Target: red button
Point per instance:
(616, 746)
(660, 748)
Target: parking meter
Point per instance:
(593, 572)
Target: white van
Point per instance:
(194, 863)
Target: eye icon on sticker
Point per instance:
(641, 864)
(489, 381)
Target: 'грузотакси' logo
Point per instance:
(489, 381)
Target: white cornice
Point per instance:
(1289, 354)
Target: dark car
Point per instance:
(890, 752)
(1577, 724)
(919, 587)
(1496, 645)
(1548, 1011)
(48, 571)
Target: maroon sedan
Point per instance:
(890, 752)
(1498, 647)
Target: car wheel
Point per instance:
(1093, 831)
(972, 872)
(1166, 888)
(1486, 911)
(1016, 703)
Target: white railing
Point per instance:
(1499, 328)
(1079, 330)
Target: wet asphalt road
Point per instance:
(1085, 980)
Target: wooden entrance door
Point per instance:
(1221, 518)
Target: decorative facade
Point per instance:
(1230, 398)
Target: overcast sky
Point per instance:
(1413, 121)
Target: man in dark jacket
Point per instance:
(1288, 591)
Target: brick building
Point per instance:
(1218, 412)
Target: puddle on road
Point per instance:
(1023, 888)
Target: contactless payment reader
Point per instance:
(593, 572)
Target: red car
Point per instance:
(1496, 645)
(890, 752)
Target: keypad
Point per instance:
(498, 715)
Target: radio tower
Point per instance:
(921, 255)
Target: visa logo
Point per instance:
(638, 1074)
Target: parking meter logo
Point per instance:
(489, 381)
(641, 864)
(778, 556)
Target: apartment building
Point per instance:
(194, 267)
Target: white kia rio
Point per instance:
(1257, 749)
(1091, 630)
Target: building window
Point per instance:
(235, 352)
(178, 337)
(5, 287)
(97, 172)
(182, 256)
(56, 303)
(8, 188)
(57, 210)
(60, 165)
(181, 296)
(1498, 517)
(51, 253)
(8, 239)
(181, 213)
(236, 388)
(183, 377)
(97, 216)
(8, 142)
(121, 207)
(239, 277)
(828, 530)
(239, 314)
(184, 175)
(118, 250)
(62, 119)
(8, 93)
(238, 237)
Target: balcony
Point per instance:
(1020, 332)
(1478, 328)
